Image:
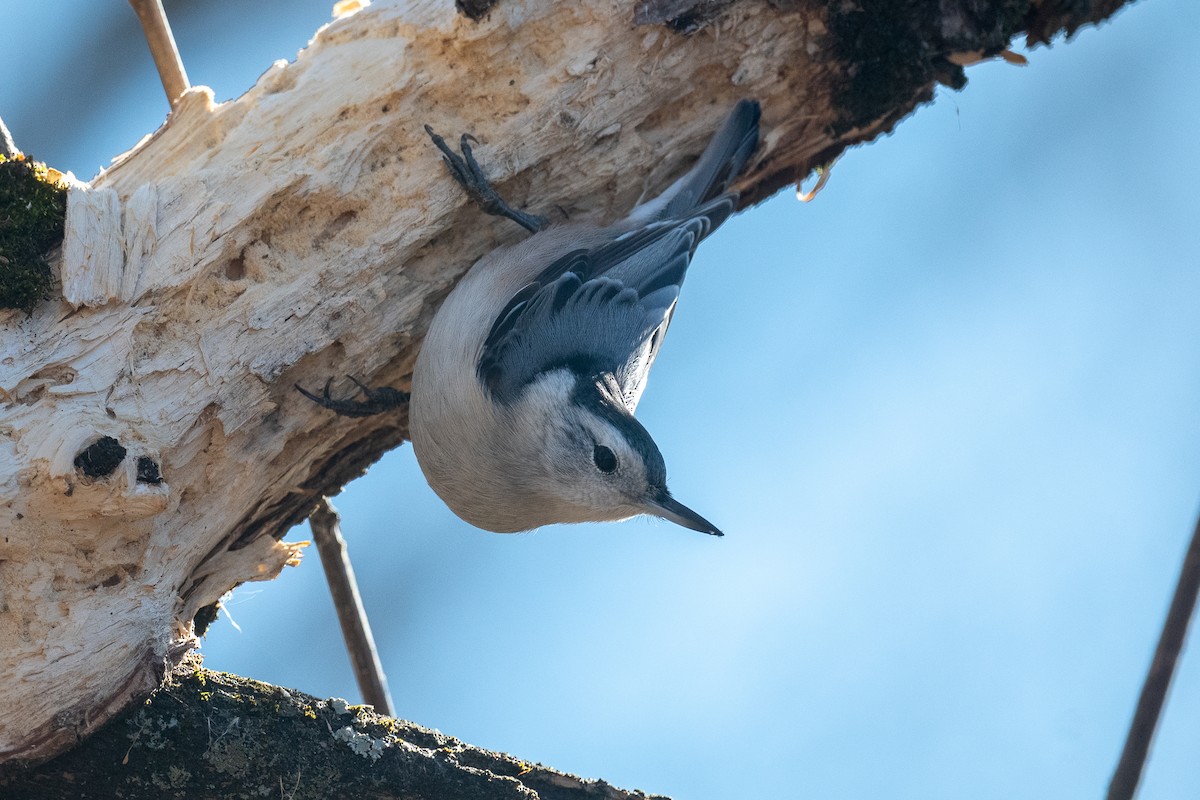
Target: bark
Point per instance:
(213, 735)
(154, 451)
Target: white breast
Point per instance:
(462, 441)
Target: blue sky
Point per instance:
(946, 414)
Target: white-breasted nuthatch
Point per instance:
(523, 394)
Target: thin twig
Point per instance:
(8, 148)
(1154, 690)
(326, 528)
(162, 47)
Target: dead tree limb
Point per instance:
(152, 450)
(162, 48)
(213, 735)
(352, 617)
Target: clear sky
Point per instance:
(947, 415)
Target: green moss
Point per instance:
(33, 210)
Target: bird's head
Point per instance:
(597, 462)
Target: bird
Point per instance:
(521, 412)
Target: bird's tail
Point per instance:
(721, 162)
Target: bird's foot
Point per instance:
(467, 172)
(378, 400)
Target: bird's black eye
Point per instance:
(605, 459)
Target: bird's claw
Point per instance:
(378, 400)
(469, 175)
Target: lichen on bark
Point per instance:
(208, 734)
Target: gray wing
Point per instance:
(605, 310)
(597, 311)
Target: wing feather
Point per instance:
(602, 310)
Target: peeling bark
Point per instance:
(307, 230)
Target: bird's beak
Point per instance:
(667, 507)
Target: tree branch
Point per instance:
(305, 230)
(210, 734)
(162, 48)
(1158, 678)
(352, 617)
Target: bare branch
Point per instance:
(162, 47)
(1158, 680)
(356, 630)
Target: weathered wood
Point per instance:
(305, 230)
(8, 148)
